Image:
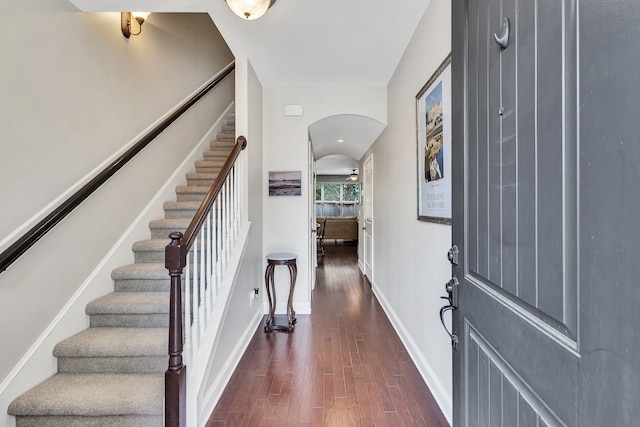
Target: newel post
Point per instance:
(175, 379)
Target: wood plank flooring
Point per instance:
(344, 365)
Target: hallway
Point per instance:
(344, 365)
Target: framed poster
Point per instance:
(287, 183)
(433, 123)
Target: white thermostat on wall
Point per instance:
(293, 110)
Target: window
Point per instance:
(337, 200)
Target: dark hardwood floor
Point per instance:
(344, 365)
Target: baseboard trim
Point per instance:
(443, 399)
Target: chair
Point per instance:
(320, 236)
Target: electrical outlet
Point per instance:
(253, 294)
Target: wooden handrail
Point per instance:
(198, 219)
(175, 261)
(28, 239)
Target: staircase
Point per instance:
(112, 374)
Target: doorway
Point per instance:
(367, 218)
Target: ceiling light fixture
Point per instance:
(125, 22)
(250, 9)
(353, 176)
(341, 140)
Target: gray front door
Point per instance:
(546, 140)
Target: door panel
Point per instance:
(518, 167)
(496, 394)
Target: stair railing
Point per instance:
(202, 253)
(31, 237)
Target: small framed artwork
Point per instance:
(287, 183)
(433, 123)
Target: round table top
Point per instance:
(281, 256)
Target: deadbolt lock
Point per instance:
(452, 255)
(452, 291)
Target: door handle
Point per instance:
(452, 298)
(454, 338)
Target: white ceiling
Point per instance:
(346, 137)
(310, 43)
(302, 43)
(336, 164)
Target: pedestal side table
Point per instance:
(273, 260)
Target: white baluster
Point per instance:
(218, 243)
(223, 228)
(227, 223)
(194, 300)
(236, 204)
(202, 282)
(187, 312)
(232, 190)
(210, 254)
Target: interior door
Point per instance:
(515, 215)
(313, 248)
(367, 226)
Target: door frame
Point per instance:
(313, 248)
(367, 228)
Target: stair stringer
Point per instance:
(200, 361)
(38, 363)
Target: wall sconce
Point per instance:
(250, 9)
(125, 22)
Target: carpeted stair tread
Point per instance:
(109, 342)
(169, 222)
(144, 271)
(191, 193)
(195, 189)
(181, 209)
(141, 277)
(161, 228)
(201, 178)
(130, 303)
(150, 250)
(201, 175)
(150, 244)
(226, 143)
(214, 169)
(213, 163)
(216, 153)
(226, 136)
(93, 395)
(130, 309)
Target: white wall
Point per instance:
(242, 316)
(286, 148)
(410, 262)
(74, 93)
